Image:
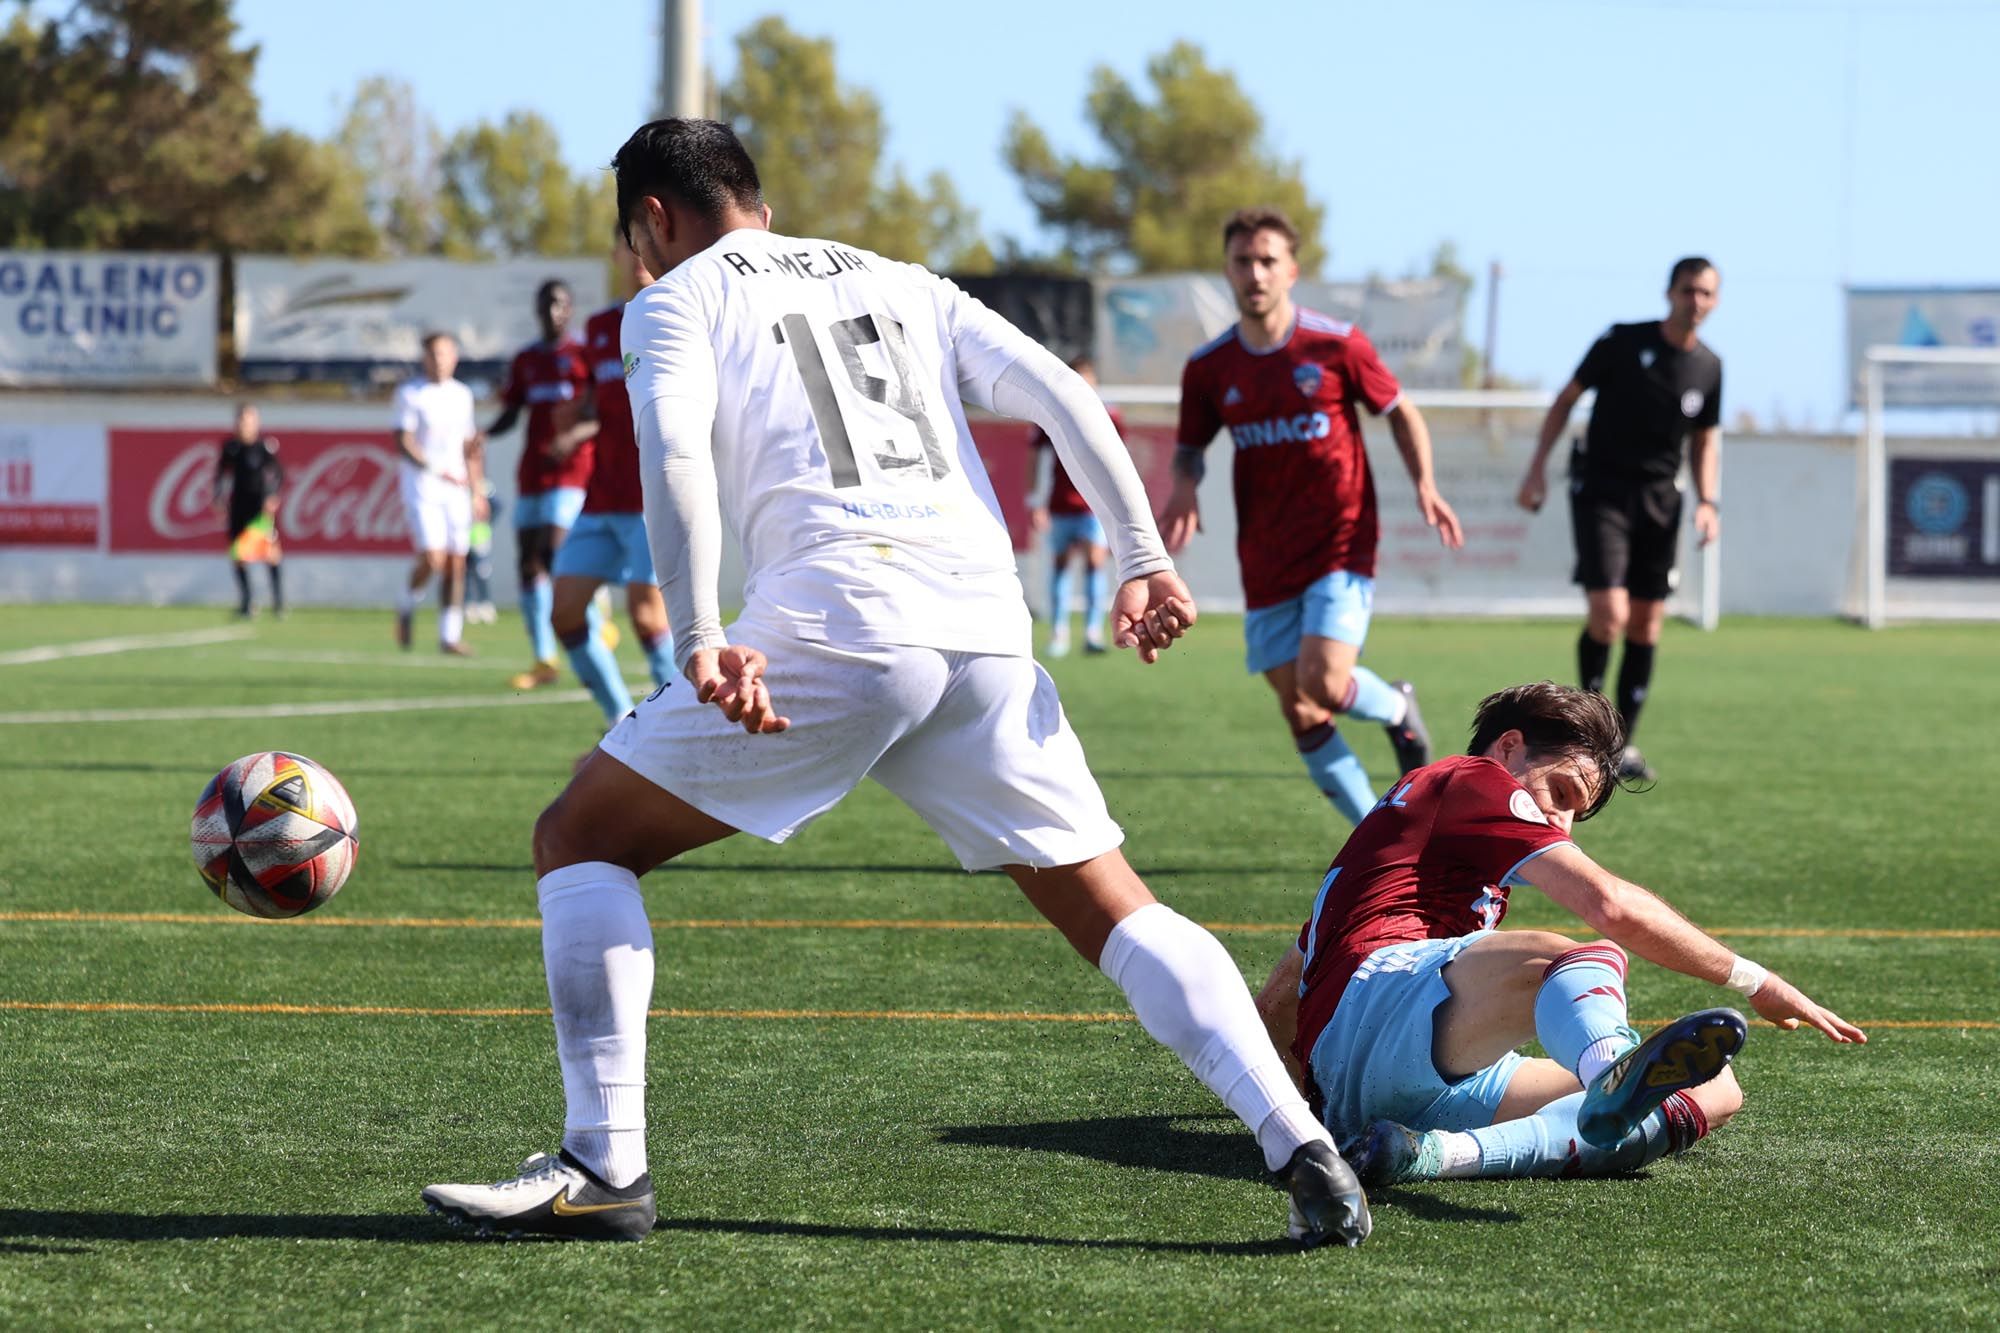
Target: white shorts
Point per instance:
(975, 743)
(439, 513)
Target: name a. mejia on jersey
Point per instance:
(1281, 430)
(829, 262)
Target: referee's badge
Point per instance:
(1691, 402)
(1307, 378)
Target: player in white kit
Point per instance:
(812, 392)
(439, 438)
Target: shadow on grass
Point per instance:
(1169, 1143)
(965, 1235)
(74, 1226)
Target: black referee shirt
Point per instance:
(254, 473)
(1650, 396)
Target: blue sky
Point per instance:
(1582, 143)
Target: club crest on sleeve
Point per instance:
(1691, 402)
(631, 363)
(1307, 377)
(1523, 807)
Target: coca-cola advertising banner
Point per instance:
(339, 496)
(51, 484)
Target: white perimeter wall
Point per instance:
(1789, 548)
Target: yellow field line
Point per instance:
(808, 923)
(873, 1015)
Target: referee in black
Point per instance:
(1657, 386)
(248, 478)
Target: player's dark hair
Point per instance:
(1082, 361)
(700, 163)
(436, 336)
(550, 288)
(1687, 268)
(1250, 221)
(1556, 720)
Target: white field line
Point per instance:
(328, 708)
(56, 652)
(412, 659)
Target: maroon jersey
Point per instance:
(1305, 500)
(543, 378)
(1064, 497)
(614, 480)
(1433, 860)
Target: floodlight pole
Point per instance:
(683, 89)
(1876, 469)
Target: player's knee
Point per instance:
(1302, 714)
(1539, 951)
(555, 842)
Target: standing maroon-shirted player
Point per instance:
(1285, 382)
(551, 380)
(608, 543)
(1404, 1006)
(1074, 535)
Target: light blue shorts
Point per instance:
(1337, 606)
(1373, 1062)
(610, 548)
(550, 509)
(1065, 530)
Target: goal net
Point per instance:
(1514, 563)
(1928, 504)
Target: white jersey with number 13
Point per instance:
(834, 378)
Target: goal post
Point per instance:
(1929, 509)
(1514, 563)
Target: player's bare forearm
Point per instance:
(1634, 918)
(1413, 441)
(569, 441)
(505, 421)
(1278, 1006)
(407, 442)
(1555, 422)
(1707, 464)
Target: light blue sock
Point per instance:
(1096, 600)
(659, 656)
(1547, 1144)
(598, 669)
(1580, 1009)
(537, 600)
(1061, 586)
(1373, 699)
(1337, 772)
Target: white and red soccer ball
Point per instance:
(273, 834)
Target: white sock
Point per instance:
(1459, 1155)
(1190, 998)
(598, 948)
(1600, 1054)
(410, 599)
(451, 624)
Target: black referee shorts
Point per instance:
(1627, 535)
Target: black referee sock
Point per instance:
(277, 588)
(1593, 659)
(1635, 676)
(243, 591)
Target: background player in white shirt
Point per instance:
(813, 393)
(442, 450)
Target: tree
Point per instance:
(394, 148)
(132, 124)
(1174, 169)
(819, 152)
(506, 191)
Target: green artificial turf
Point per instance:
(829, 1152)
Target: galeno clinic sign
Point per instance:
(107, 318)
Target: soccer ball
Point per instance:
(273, 834)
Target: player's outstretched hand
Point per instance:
(732, 678)
(1440, 516)
(1150, 613)
(1534, 490)
(1181, 519)
(1786, 1005)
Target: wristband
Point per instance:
(1746, 976)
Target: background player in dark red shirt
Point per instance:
(608, 543)
(1285, 382)
(1075, 537)
(1405, 1008)
(551, 382)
